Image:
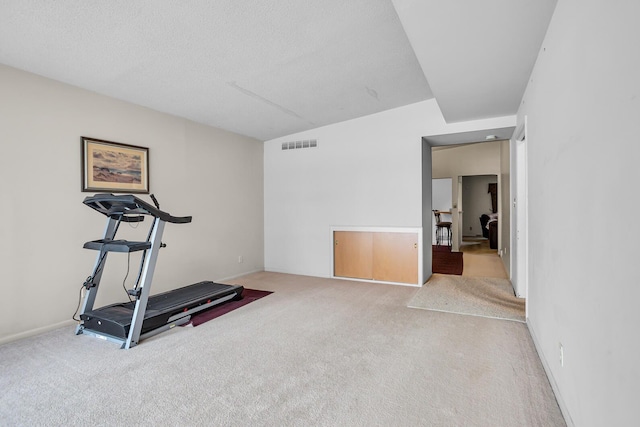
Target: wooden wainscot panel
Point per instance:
(395, 257)
(353, 254)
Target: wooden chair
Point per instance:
(442, 227)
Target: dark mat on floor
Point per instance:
(248, 296)
(445, 261)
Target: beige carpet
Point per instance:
(475, 296)
(483, 265)
(316, 352)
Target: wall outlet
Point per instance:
(240, 259)
(561, 355)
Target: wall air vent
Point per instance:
(294, 145)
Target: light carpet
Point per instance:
(475, 296)
(317, 352)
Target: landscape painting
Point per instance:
(114, 167)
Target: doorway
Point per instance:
(479, 220)
(465, 158)
(446, 164)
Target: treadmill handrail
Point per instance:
(128, 204)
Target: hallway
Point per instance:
(480, 260)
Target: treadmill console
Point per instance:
(128, 205)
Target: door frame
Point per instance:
(520, 237)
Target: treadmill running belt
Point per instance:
(115, 319)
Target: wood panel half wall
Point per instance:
(378, 254)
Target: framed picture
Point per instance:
(114, 167)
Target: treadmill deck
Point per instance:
(115, 319)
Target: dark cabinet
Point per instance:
(493, 235)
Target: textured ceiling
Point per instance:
(267, 68)
(258, 68)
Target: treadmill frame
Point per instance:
(149, 264)
(116, 214)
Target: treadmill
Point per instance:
(143, 316)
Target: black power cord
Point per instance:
(89, 281)
(79, 302)
(127, 275)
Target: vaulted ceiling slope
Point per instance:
(477, 55)
(267, 68)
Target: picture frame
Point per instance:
(114, 167)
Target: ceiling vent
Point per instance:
(294, 145)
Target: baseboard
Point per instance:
(37, 331)
(235, 276)
(552, 380)
(294, 272)
(355, 279)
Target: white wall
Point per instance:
(469, 159)
(365, 172)
(441, 195)
(213, 175)
(441, 200)
(583, 109)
